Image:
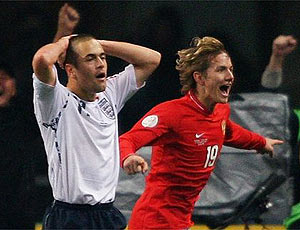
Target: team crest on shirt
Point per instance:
(106, 108)
(223, 126)
(150, 121)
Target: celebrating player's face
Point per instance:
(219, 79)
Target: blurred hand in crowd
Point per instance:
(284, 45)
(68, 19)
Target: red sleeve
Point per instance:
(239, 137)
(149, 130)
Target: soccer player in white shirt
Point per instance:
(78, 124)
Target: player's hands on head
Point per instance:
(135, 164)
(269, 147)
(64, 42)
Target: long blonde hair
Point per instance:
(196, 58)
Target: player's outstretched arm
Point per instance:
(239, 137)
(269, 147)
(135, 164)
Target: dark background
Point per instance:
(247, 29)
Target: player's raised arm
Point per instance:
(282, 46)
(145, 60)
(46, 57)
(68, 18)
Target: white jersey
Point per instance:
(81, 138)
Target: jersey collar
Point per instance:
(193, 97)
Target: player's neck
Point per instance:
(205, 100)
(81, 93)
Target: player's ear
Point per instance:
(70, 70)
(199, 77)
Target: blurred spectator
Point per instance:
(7, 85)
(17, 134)
(282, 46)
(272, 79)
(68, 19)
(20, 142)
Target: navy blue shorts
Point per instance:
(61, 215)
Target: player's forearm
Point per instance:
(48, 55)
(145, 60)
(45, 58)
(135, 139)
(271, 79)
(134, 54)
(126, 149)
(276, 62)
(239, 137)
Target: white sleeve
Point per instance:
(47, 99)
(122, 86)
(271, 79)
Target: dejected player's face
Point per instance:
(91, 70)
(219, 79)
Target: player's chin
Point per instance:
(223, 100)
(101, 87)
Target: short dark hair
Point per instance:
(71, 54)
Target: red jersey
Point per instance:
(187, 141)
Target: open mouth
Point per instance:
(225, 89)
(100, 76)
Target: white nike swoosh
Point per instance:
(199, 135)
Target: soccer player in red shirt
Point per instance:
(187, 135)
